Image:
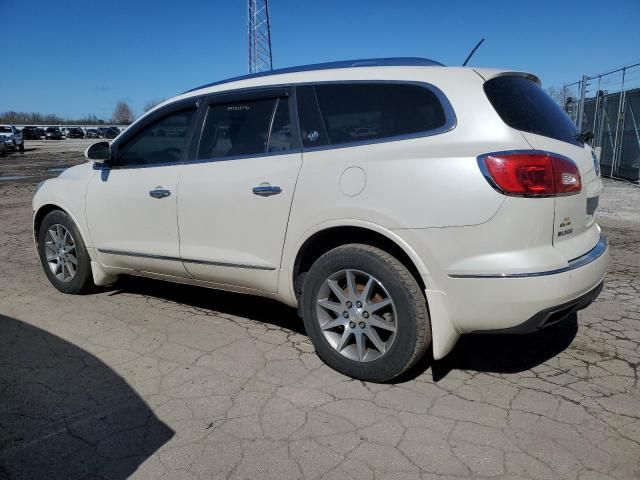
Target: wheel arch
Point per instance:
(327, 237)
(46, 208)
(323, 238)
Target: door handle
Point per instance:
(159, 192)
(266, 190)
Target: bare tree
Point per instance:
(557, 94)
(36, 118)
(152, 103)
(122, 114)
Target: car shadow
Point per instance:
(497, 353)
(65, 414)
(500, 353)
(20, 152)
(252, 307)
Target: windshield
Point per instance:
(5, 129)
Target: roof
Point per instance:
(364, 62)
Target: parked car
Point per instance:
(109, 132)
(92, 133)
(467, 204)
(3, 146)
(31, 133)
(52, 133)
(41, 132)
(13, 137)
(74, 132)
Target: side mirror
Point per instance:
(98, 152)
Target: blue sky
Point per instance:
(73, 58)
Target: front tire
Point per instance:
(63, 254)
(365, 313)
(21, 147)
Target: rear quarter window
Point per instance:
(356, 112)
(523, 105)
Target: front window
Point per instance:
(164, 141)
(6, 130)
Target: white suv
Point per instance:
(12, 137)
(397, 203)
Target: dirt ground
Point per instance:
(152, 380)
(42, 159)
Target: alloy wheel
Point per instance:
(60, 251)
(357, 316)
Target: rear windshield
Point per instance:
(523, 105)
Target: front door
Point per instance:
(234, 202)
(131, 204)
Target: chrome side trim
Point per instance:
(185, 260)
(581, 261)
(139, 255)
(225, 264)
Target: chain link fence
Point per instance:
(608, 105)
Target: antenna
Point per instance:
(259, 36)
(472, 52)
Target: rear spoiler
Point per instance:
(489, 73)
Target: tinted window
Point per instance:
(369, 111)
(523, 105)
(242, 128)
(280, 136)
(311, 125)
(161, 142)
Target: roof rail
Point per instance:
(365, 62)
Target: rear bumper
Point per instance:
(583, 260)
(522, 302)
(552, 315)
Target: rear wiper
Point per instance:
(585, 136)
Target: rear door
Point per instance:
(234, 201)
(523, 105)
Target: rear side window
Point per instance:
(246, 128)
(523, 105)
(355, 112)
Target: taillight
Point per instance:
(531, 174)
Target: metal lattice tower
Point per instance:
(259, 36)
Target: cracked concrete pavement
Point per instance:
(154, 380)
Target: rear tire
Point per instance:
(352, 333)
(63, 254)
